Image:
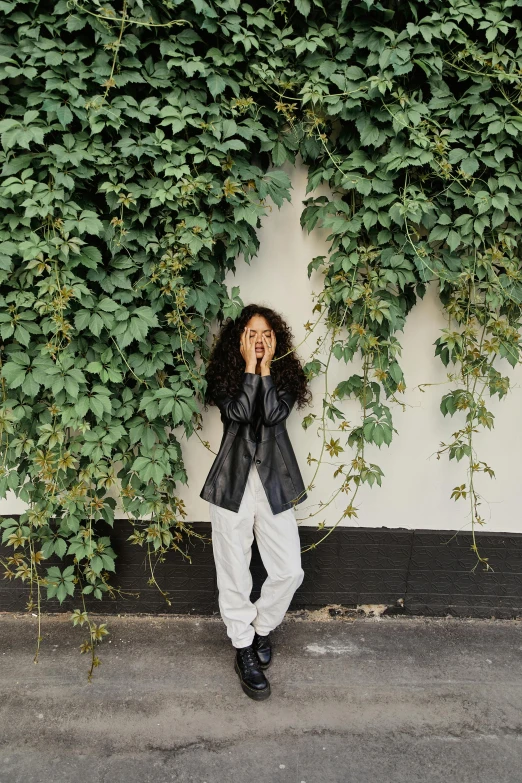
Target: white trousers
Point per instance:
(277, 538)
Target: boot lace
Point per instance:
(249, 657)
(262, 641)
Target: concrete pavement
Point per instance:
(354, 700)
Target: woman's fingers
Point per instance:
(269, 346)
(252, 345)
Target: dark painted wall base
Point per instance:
(415, 572)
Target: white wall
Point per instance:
(416, 487)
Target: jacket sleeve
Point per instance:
(275, 406)
(242, 405)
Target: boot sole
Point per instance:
(254, 694)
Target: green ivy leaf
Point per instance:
(216, 84)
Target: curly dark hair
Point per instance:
(226, 366)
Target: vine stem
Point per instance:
(130, 20)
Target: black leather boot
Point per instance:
(263, 649)
(253, 681)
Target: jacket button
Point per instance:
(258, 461)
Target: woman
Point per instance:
(254, 483)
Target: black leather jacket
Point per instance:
(254, 422)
